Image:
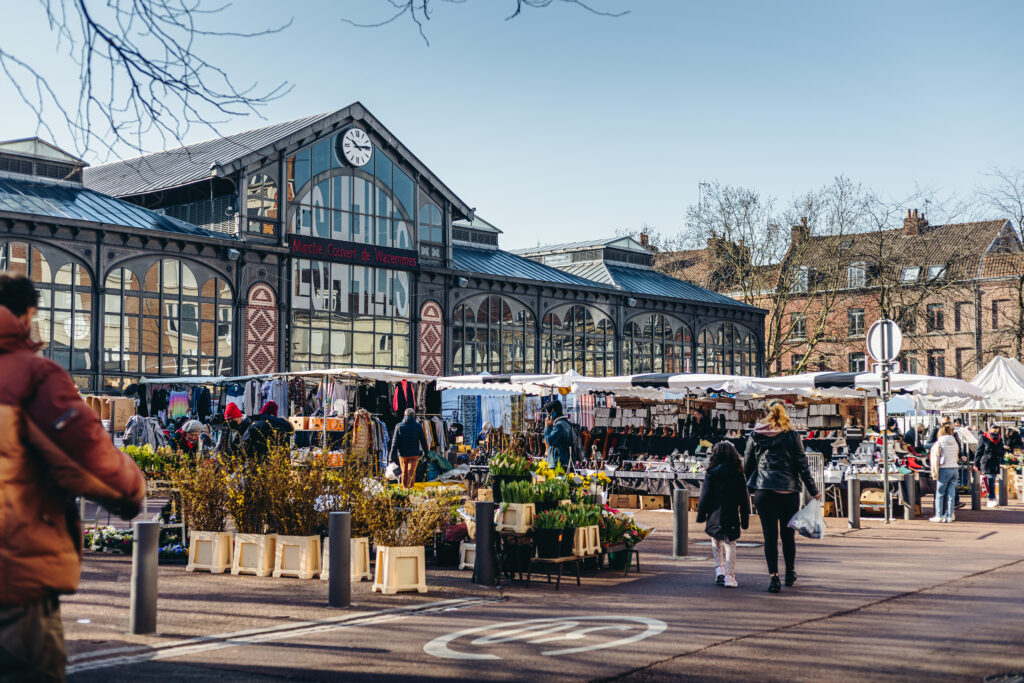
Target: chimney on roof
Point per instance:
(913, 223)
(800, 232)
(645, 240)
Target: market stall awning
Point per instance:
(1001, 383)
(656, 385)
(358, 374)
(523, 384)
(860, 384)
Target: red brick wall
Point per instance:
(430, 339)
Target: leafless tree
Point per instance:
(143, 72)
(421, 11)
(1005, 194)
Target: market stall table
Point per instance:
(552, 562)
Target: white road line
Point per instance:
(105, 659)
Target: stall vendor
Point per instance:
(186, 439)
(485, 433)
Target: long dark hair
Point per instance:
(724, 453)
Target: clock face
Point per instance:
(356, 146)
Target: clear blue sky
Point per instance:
(561, 125)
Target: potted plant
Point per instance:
(352, 483)
(401, 526)
(548, 529)
(297, 511)
(550, 493)
(518, 506)
(204, 502)
(505, 467)
(248, 505)
(453, 533)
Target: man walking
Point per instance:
(52, 448)
(409, 441)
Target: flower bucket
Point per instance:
(359, 557)
(515, 517)
(568, 537)
(497, 480)
(549, 542)
(467, 555)
(618, 559)
(446, 554)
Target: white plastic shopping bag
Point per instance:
(809, 520)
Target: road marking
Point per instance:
(106, 659)
(543, 631)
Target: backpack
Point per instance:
(576, 452)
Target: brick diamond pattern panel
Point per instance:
(261, 331)
(431, 339)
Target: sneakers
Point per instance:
(730, 582)
(720, 580)
(790, 577)
(947, 520)
(991, 503)
(775, 586)
(936, 518)
(952, 516)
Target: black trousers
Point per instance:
(775, 510)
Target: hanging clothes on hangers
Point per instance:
(177, 405)
(404, 397)
(251, 403)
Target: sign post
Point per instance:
(884, 340)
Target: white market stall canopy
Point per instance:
(355, 374)
(860, 384)
(1001, 383)
(486, 382)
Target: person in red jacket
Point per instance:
(52, 448)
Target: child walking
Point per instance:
(725, 506)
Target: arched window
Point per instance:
(656, 343)
(727, 348)
(261, 202)
(165, 323)
(580, 338)
(64, 320)
(492, 334)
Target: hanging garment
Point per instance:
(177, 404)
(362, 432)
(159, 399)
(251, 404)
(297, 395)
(235, 394)
(404, 397)
(276, 390)
(200, 403)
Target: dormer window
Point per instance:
(936, 272)
(801, 279)
(857, 275)
(910, 274)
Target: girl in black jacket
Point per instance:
(725, 506)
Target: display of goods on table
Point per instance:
(550, 527)
(518, 507)
(586, 519)
(550, 493)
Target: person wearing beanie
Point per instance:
(186, 439)
(265, 431)
(238, 424)
(269, 408)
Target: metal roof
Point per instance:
(477, 224)
(32, 197)
(506, 264)
(643, 281)
(625, 242)
(184, 165)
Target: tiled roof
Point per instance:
(960, 246)
(74, 202)
(693, 265)
(184, 165)
(506, 264)
(1003, 265)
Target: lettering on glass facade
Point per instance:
(352, 252)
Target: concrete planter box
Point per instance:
(515, 517)
(360, 553)
(400, 569)
(254, 554)
(209, 551)
(467, 555)
(587, 541)
(297, 556)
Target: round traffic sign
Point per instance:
(884, 341)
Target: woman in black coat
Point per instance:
(990, 455)
(725, 505)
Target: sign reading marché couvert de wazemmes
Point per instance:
(353, 252)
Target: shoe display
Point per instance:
(730, 582)
(936, 518)
(790, 577)
(720, 580)
(775, 586)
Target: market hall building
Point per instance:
(324, 242)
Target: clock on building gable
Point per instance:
(356, 147)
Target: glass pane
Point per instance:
(362, 196)
(383, 168)
(362, 349)
(189, 286)
(404, 192)
(321, 156)
(384, 232)
(302, 168)
(342, 188)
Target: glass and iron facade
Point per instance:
(330, 264)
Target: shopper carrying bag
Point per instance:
(776, 465)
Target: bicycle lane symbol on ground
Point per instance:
(579, 633)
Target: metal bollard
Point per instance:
(909, 496)
(339, 549)
(975, 490)
(484, 568)
(853, 502)
(145, 563)
(1004, 482)
(681, 512)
